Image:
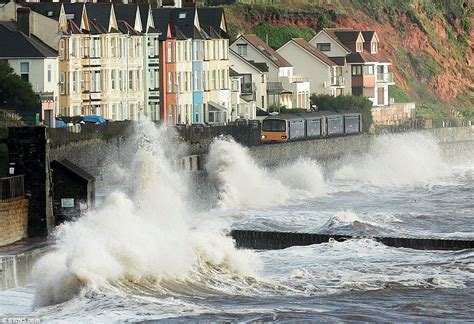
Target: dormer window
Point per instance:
(359, 47)
(373, 47)
(49, 14)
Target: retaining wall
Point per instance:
(13, 220)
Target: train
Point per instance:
(301, 126)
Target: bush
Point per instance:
(466, 25)
(284, 110)
(340, 103)
(280, 35)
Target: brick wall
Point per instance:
(13, 220)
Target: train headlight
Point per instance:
(283, 137)
(264, 136)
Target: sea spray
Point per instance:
(400, 159)
(242, 183)
(145, 235)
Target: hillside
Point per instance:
(430, 42)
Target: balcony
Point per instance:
(248, 88)
(385, 77)
(297, 79)
(338, 81)
(274, 88)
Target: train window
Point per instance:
(274, 125)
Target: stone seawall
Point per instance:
(17, 261)
(328, 150)
(13, 220)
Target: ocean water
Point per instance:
(157, 248)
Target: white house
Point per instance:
(326, 76)
(33, 61)
(283, 88)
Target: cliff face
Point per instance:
(429, 42)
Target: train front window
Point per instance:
(274, 125)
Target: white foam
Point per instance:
(146, 235)
(401, 159)
(243, 184)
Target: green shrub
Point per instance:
(280, 35)
(466, 25)
(324, 22)
(340, 103)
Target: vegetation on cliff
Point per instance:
(429, 42)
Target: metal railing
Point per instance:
(12, 187)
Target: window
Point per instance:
(223, 79)
(130, 47)
(121, 80)
(324, 47)
(95, 81)
(113, 79)
(138, 83)
(50, 72)
(25, 71)
(74, 80)
(62, 83)
(61, 49)
(214, 79)
(357, 70)
(369, 70)
(182, 15)
(170, 82)
(138, 48)
(113, 49)
(263, 78)
(242, 49)
(169, 52)
(359, 47)
(186, 81)
(373, 47)
(73, 48)
(130, 80)
(178, 52)
(178, 82)
(196, 117)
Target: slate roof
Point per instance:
(368, 35)
(266, 50)
(48, 9)
(144, 14)
(126, 12)
(339, 60)
(357, 57)
(76, 10)
(74, 169)
(99, 13)
(126, 28)
(313, 51)
(260, 66)
(19, 45)
(161, 18)
(210, 20)
(233, 72)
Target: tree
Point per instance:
(340, 103)
(15, 93)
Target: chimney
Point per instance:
(23, 20)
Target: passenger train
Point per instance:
(291, 127)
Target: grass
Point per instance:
(279, 35)
(399, 94)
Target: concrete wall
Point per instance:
(13, 220)
(15, 268)
(393, 114)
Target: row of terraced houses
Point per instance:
(175, 65)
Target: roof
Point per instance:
(368, 35)
(99, 13)
(363, 57)
(183, 20)
(233, 73)
(267, 51)
(313, 51)
(72, 168)
(126, 12)
(74, 12)
(144, 8)
(48, 9)
(259, 66)
(20, 45)
(161, 18)
(339, 60)
(210, 20)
